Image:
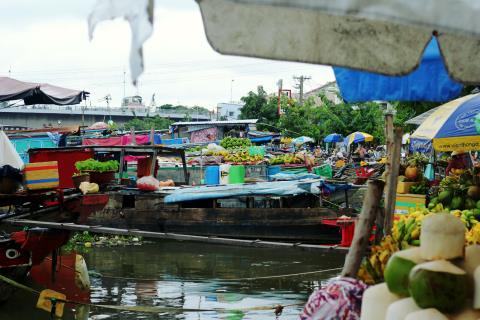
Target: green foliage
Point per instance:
(319, 117)
(260, 106)
(94, 165)
(148, 123)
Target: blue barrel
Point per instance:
(271, 170)
(212, 175)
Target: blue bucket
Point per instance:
(212, 175)
(271, 170)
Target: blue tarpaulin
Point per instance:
(429, 82)
(280, 188)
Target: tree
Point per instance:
(147, 123)
(262, 107)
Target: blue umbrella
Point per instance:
(333, 137)
(429, 82)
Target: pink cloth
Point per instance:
(339, 299)
(116, 141)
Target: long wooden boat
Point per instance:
(258, 215)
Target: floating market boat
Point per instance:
(276, 210)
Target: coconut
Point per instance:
(438, 284)
(467, 314)
(401, 308)
(474, 192)
(476, 290)
(375, 302)
(442, 237)
(426, 314)
(398, 269)
(472, 259)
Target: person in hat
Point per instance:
(459, 160)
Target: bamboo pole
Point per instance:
(391, 180)
(371, 205)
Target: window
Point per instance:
(230, 114)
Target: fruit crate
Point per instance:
(403, 202)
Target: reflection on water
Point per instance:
(191, 276)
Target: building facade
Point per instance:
(229, 111)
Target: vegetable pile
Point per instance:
(230, 142)
(94, 165)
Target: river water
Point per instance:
(184, 275)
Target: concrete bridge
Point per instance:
(39, 116)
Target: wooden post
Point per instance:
(154, 163)
(379, 224)
(391, 180)
(152, 136)
(121, 167)
(371, 205)
(132, 136)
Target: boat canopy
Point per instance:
(38, 93)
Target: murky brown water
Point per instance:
(189, 275)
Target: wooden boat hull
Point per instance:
(283, 224)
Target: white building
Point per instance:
(229, 110)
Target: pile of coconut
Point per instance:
(439, 280)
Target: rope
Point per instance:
(235, 279)
(277, 309)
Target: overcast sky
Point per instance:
(47, 41)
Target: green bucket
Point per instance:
(236, 174)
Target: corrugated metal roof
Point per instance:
(223, 122)
(418, 120)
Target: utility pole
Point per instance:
(280, 87)
(299, 86)
(124, 73)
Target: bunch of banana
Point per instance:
(472, 236)
(467, 216)
(436, 208)
(406, 230)
(242, 157)
(372, 267)
(222, 153)
(286, 140)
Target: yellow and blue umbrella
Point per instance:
(451, 127)
(357, 137)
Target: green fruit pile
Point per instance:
(286, 159)
(457, 192)
(230, 143)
